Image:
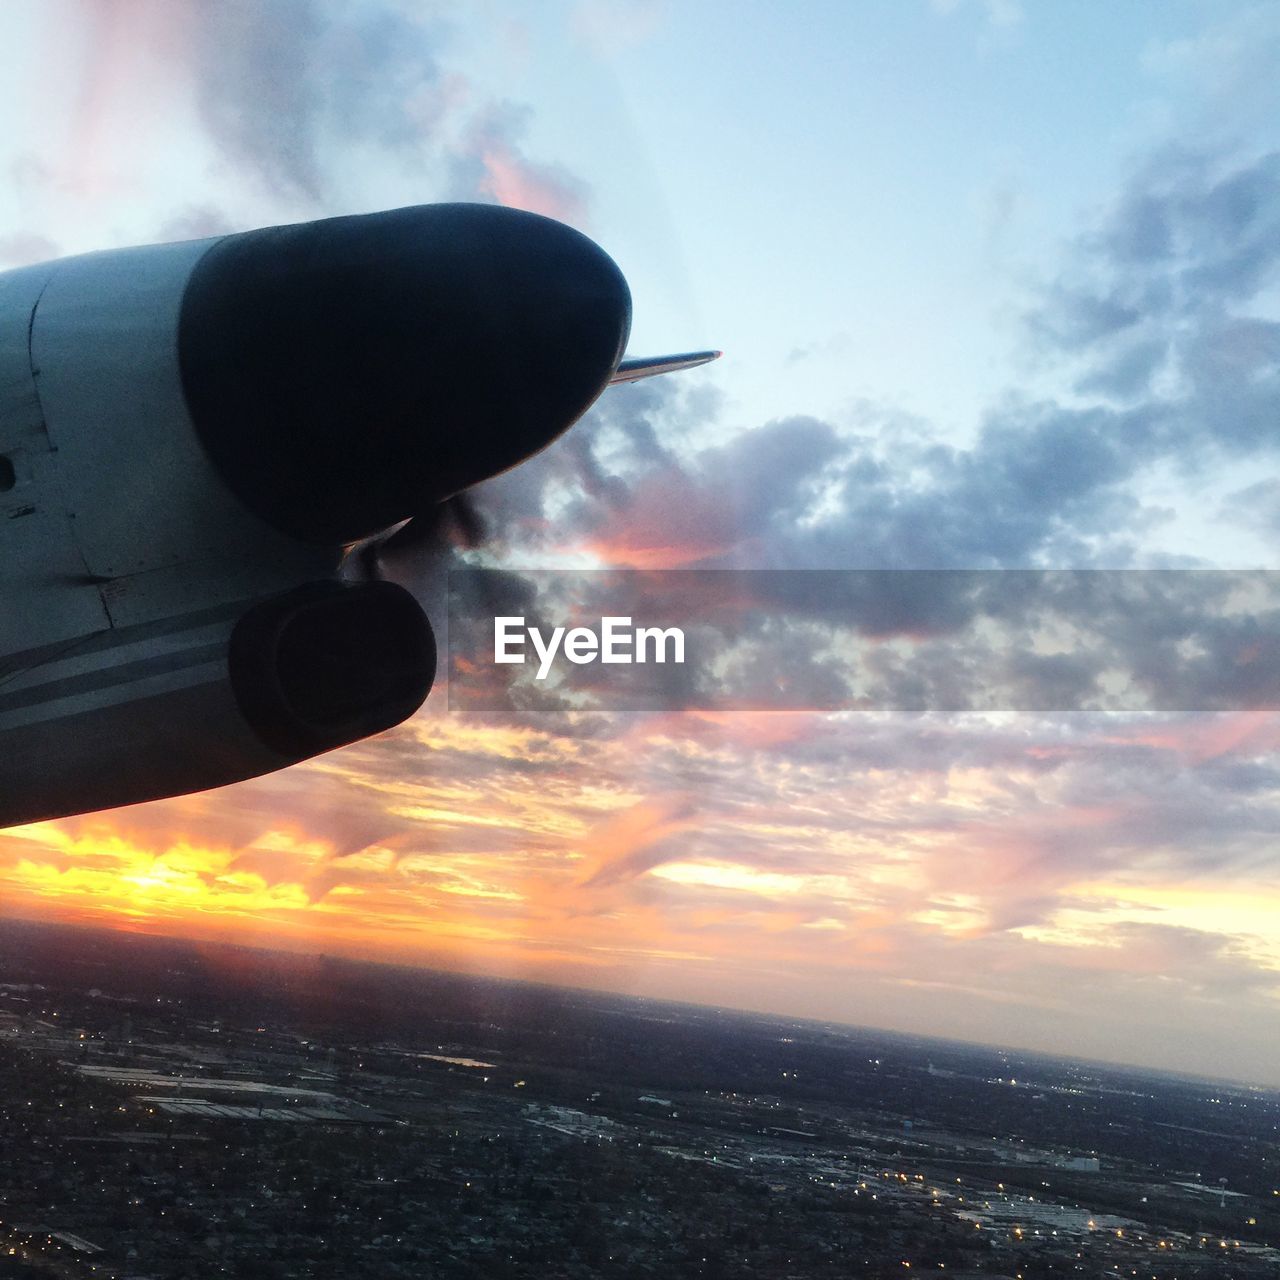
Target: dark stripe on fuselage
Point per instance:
(126, 673)
(100, 641)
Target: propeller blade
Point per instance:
(422, 533)
(633, 368)
(456, 521)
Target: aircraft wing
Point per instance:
(633, 368)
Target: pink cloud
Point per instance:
(668, 521)
(518, 183)
(1208, 737)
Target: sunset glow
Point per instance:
(602, 865)
(975, 316)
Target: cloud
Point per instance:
(609, 26)
(279, 85)
(999, 14)
(917, 640)
(1031, 856)
(196, 222)
(303, 108)
(1162, 304)
(292, 92)
(1042, 484)
(24, 247)
(636, 840)
(492, 164)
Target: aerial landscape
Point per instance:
(193, 1109)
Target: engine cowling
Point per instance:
(213, 698)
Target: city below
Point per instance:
(176, 1109)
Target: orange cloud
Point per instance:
(636, 840)
(747, 859)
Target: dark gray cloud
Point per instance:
(1161, 304)
(278, 84)
(1256, 506)
(302, 97)
(1039, 485)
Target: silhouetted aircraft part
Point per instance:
(452, 522)
(329, 664)
(142, 713)
(342, 374)
(211, 451)
(412, 545)
(633, 368)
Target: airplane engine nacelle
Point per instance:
(321, 381)
(155, 711)
(325, 665)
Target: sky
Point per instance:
(997, 286)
